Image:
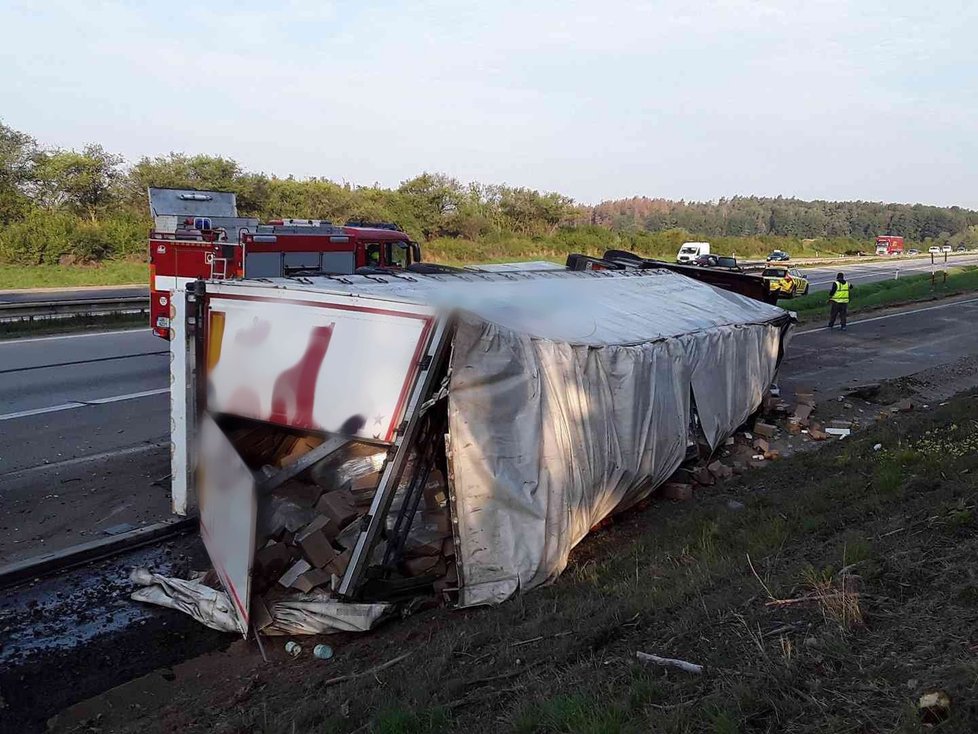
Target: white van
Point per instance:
(692, 250)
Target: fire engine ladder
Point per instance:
(219, 268)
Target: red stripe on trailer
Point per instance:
(225, 579)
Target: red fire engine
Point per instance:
(199, 235)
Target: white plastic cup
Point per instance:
(293, 648)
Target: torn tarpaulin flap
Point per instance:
(208, 606)
(319, 613)
(297, 614)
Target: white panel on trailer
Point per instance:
(181, 390)
(226, 489)
(330, 363)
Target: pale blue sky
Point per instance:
(833, 99)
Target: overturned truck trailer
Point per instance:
(359, 440)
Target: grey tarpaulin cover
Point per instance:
(555, 423)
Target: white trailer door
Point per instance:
(226, 492)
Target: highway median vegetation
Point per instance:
(107, 272)
(71, 208)
(871, 296)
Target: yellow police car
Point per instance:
(786, 282)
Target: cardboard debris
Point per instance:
(260, 616)
(424, 565)
(720, 470)
(435, 496)
(295, 571)
(802, 412)
(840, 432)
(338, 565)
(315, 542)
(311, 579)
(761, 445)
(299, 448)
(339, 506)
(805, 398)
(765, 429)
(840, 424)
(270, 562)
(347, 537)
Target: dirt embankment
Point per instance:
(825, 592)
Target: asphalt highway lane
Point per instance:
(885, 346)
(857, 273)
(71, 396)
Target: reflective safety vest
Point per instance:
(841, 294)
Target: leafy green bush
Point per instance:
(42, 236)
(45, 236)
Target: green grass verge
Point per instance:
(705, 582)
(814, 306)
(108, 272)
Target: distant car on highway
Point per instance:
(716, 261)
(778, 256)
(786, 282)
(946, 248)
(934, 250)
(913, 251)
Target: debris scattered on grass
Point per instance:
(669, 662)
(934, 707)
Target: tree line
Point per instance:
(85, 205)
(751, 216)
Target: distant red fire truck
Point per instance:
(889, 245)
(198, 234)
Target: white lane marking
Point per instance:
(82, 404)
(888, 316)
(73, 336)
(130, 396)
(40, 411)
(129, 451)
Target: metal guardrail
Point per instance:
(53, 562)
(67, 309)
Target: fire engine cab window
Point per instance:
(373, 254)
(398, 255)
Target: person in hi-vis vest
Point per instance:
(839, 298)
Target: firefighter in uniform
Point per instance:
(839, 298)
